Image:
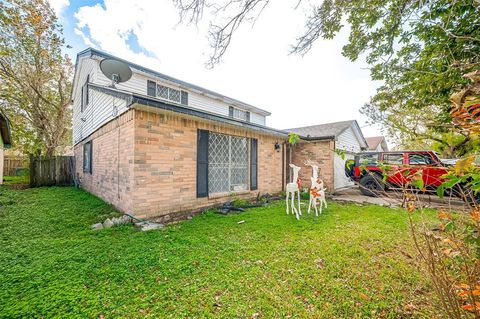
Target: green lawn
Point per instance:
(352, 262)
(11, 180)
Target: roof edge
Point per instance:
(153, 102)
(226, 99)
(133, 98)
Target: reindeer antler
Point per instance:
(310, 163)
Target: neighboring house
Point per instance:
(5, 140)
(158, 146)
(330, 145)
(377, 144)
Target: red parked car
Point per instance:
(367, 171)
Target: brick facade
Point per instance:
(321, 152)
(156, 171)
(112, 162)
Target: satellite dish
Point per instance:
(115, 70)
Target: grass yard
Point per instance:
(12, 180)
(352, 262)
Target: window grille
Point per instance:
(227, 163)
(167, 93)
(174, 95)
(162, 91)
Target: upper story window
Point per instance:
(167, 93)
(85, 97)
(239, 114)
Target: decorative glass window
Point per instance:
(227, 163)
(162, 91)
(167, 93)
(87, 157)
(174, 95)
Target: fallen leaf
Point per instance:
(410, 307)
(467, 307)
(444, 215)
(463, 286)
(320, 263)
(364, 296)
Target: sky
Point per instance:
(321, 87)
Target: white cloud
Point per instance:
(321, 87)
(59, 5)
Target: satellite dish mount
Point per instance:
(115, 70)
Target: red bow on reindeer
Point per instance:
(299, 182)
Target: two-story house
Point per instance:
(158, 146)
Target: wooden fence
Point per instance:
(54, 171)
(13, 165)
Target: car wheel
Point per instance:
(372, 185)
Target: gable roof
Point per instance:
(5, 131)
(329, 131)
(374, 141)
(322, 130)
(94, 52)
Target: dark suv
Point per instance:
(368, 169)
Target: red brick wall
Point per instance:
(165, 157)
(321, 152)
(112, 174)
(157, 163)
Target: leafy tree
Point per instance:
(418, 49)
(35, 78)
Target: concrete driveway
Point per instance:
(394, 199)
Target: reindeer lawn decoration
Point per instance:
(291, 189)
(317, 189)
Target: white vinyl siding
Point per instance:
(99, 109)
(138, 84)
(257, 118)
(348, 143)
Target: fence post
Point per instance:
(57, 170)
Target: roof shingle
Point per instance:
(322, 130)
